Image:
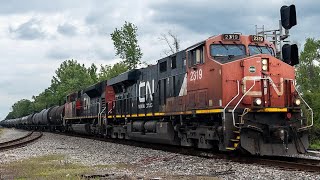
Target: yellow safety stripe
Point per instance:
(202, 111)
(206, 111)
(209, 111)
(273, 110)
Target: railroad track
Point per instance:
(279, 162)
(30, 137)
(283, 163)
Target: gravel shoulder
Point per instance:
(135, 162)
(11, 134)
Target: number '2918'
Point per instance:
(196, 75)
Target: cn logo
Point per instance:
(148, 89)
(278, 90)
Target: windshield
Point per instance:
(255, 49)
(227, 50)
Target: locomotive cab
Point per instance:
(255, 90)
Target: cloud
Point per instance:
(58, 53)
(67, 29)
(40, 6)
(29, 30)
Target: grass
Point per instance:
(55, 167)
(315, 144)
(44, 167)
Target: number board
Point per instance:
(255, 38)
(231, 37)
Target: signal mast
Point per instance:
(287, 52)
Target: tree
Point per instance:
(126, 44)
(308, 70)
(172, 41)
(21, 108)
(308, 79)
(108, 72)
(71, 76)
(92, 70)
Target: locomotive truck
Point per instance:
(229, 92)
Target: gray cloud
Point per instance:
(214, 17)
(58, 53)
(18, 6)
(29, 30)
(67, 29)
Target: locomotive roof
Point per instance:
(131, 75)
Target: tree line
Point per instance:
(308, 80)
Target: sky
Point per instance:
(36, 36)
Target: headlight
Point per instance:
(297, 102)
(264, 61)
(257, 102)
(264, 67)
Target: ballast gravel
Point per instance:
(142, 163)
(11, 134)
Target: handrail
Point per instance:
(100, 115)
(224, 109)
(111, 108)
(254, 83)
(309, 108)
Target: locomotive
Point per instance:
(228, 92)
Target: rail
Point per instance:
(309, 108)
(30, 137)
(235, 107)
(100, 115)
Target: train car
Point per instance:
(82, 109)
(229, 92)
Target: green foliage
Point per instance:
(308, 78)
(92, 70)
(308, 70)
(126, 44)
(21, 108)
(71, 76)
(108, 72)
(45, 99)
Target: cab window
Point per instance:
(220, 50)
(255, 49)
(196, 56)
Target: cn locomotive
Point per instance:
(228, 92)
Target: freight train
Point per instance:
(228, 92)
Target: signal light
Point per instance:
(290, 54)
(288, 16)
